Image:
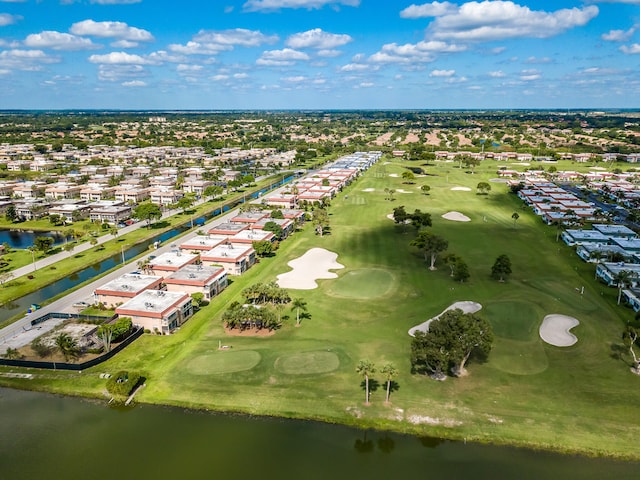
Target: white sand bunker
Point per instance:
(400, 190)
(521, 163)
(369, 190)
(461, 189)
(394, 175)
(314, 264)
(456, 217)
(466, 306)
(555, 330)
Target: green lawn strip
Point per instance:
(575, 399)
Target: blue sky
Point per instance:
(319, 54)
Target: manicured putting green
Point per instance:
(513, 320)
(364, 283)
(308, 363)
(223, 362)
(519, 358)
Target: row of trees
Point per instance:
(365, 369)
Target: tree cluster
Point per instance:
(449, 343)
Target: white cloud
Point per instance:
(240, 76)
(497, 74)
(434, 9)
(442, 73)
(317, 38)
(26, 60)
(8, 19)
(411, 53)
(496, 20)
(124, 44)
(631, 49)
(295, 79)
(121, 58)
(119, 30)
(219, 78)
(237, 36)
(280, 58)
(536, 60)
(530, 75)
(118, 73)
(189, 68)
(269, 5)
(134, 83)
(329, 53)
(357, 67)
(59, 41)
(212, 42)
(618, 35)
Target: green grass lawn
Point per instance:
(575, 399)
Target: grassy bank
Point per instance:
(574, 399)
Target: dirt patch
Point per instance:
(249, 332)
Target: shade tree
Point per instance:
(501, 269)
(431, 245)
(449, 343)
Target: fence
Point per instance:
(72, 366)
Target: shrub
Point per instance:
(40, 348)
(123, 383)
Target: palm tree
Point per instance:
(67, 346)
(366, 368)
(622, 278)
(515, 217)
(298, 304)
(389, 371)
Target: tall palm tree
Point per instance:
(515, 217)
(622, 278)
(298, 304)
(366, 368)
(389, 371)
(67, 346)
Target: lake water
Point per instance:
(44, 436)
(25, 238)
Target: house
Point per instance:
(593, 252)
(170, 262)
(111, 214)
(233, 257)
(607, 272)
(577, 237)
(286, 224)
(250, 217)
(229, 229)
(620, 231)
(125, 287)
(631, 296)
(250, 236)
(70, 212)
(157, 310)
(202, 243)
(208, 280)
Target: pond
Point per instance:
(45, 436)
(17, 238)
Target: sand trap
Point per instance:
(456, 217)
(394, 175)
(555, 330)
(400, 190)
(466, 307)
(521, 163)
(369, 190)
(313, 265)
(461, 189)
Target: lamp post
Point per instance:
(33, 258)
